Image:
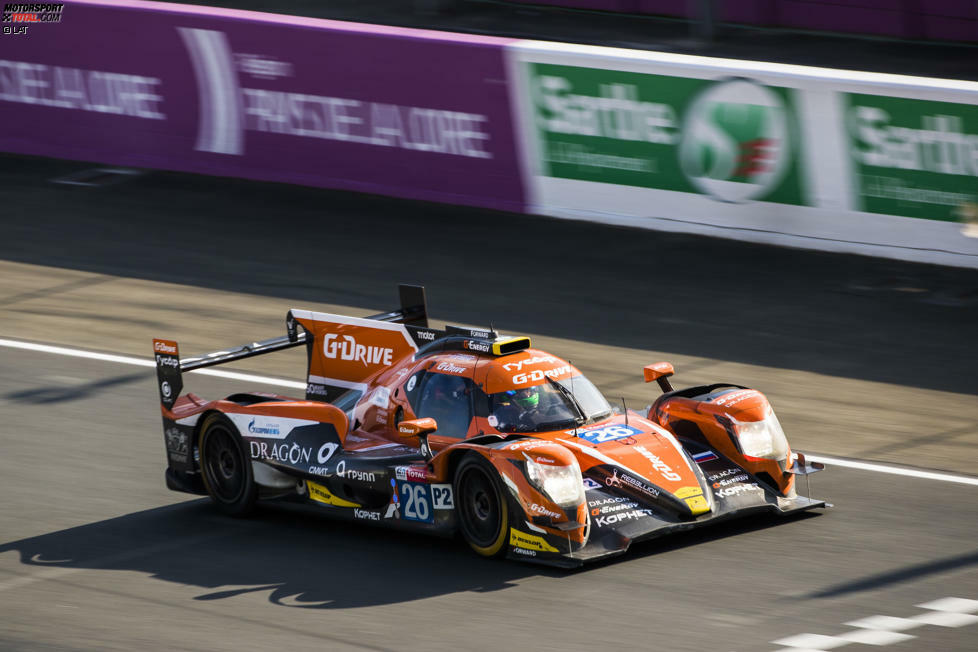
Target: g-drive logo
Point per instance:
(227, 110)
(348, 349)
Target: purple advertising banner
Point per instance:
(411, 113)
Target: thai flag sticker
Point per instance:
(705, 456)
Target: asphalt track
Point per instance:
(862, 358)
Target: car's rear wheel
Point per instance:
(481, 506)
(226, 466)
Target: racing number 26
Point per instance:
(417, 504)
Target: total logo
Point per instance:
(735, 141)
(348, 348)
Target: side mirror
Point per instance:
(659, 372)
(418, 429)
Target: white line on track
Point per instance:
(144, 362)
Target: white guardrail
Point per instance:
(876, 164)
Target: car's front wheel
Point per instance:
(226, 466)
(481, 506)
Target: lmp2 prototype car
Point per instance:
(464, 431)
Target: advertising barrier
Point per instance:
(412, 113)
(827, 159)
(837, 160)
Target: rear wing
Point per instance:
(170, 368)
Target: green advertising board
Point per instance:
(914, 158)
(734, 139)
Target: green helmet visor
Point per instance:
(525, 401)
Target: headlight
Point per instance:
(562, 484)
(764, 438)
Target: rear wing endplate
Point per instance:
(169, 366)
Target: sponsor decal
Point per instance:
(736, 490)
(523, 551)
(315, 389)
(366, 514)
(442, 497)
(705, 456)
(258, 428)
(347, 348)
(604, 434)
(540, 374)
(262, 67)
(729, 481)
(658, 464)
(591, 484)
(733, 140)
(520, 539)
(290, 453)
(473, 345)
(449, 368)
(723, 474)
(165, 389)
(612, 519)
(412, 381)
(912, 157)
(167, 361)
(526, 444)
(177, 444)
(76, 89)
(411, 473)
(541, 510)
(624, 480)
(611, 509)
(228, 110)
(493, 420)
(354, 474)
(415, 499)
(322, 456)
(519, 364)
(321, 494)
(427, 336)
(733, 398)
(164, 347)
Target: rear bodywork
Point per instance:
(682, 464)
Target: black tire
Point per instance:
(483, 512)
(225, 467)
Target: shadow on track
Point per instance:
(302, 559)
(838, 315)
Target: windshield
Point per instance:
(551, 406)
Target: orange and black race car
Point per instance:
(464, 431)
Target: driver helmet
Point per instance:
(525, 397)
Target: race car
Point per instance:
(464, 431)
